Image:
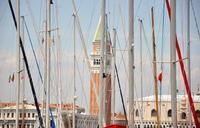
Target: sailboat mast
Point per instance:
(74, 72)
(188, 55)
(173, 63)
(18, 61)
(105, 76)
(23, 73)
(101, 114)
(113, 74)
(48, 41)
(59, 123)
(131, 65)
(161, 65)
(45, 71)
(155, 68)
(141, 73)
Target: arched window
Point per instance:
(136, 113)
(153, 113)
(169, 113)
(183, 115)
(198, 113)
(96, 62)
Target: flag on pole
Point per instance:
(11, 78)
(160, 77)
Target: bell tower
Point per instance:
(95, 65)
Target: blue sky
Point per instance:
(89, 12)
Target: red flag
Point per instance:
(160, 77)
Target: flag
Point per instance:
(9, 79)
(13, 77)
(160, 77)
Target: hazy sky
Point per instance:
(89, 12)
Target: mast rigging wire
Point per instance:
(122, 56)
(81, 80)
(34, 27)
(122, 60)
(36, 61)
(121, 95)
(146, 41)
(91, 20)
